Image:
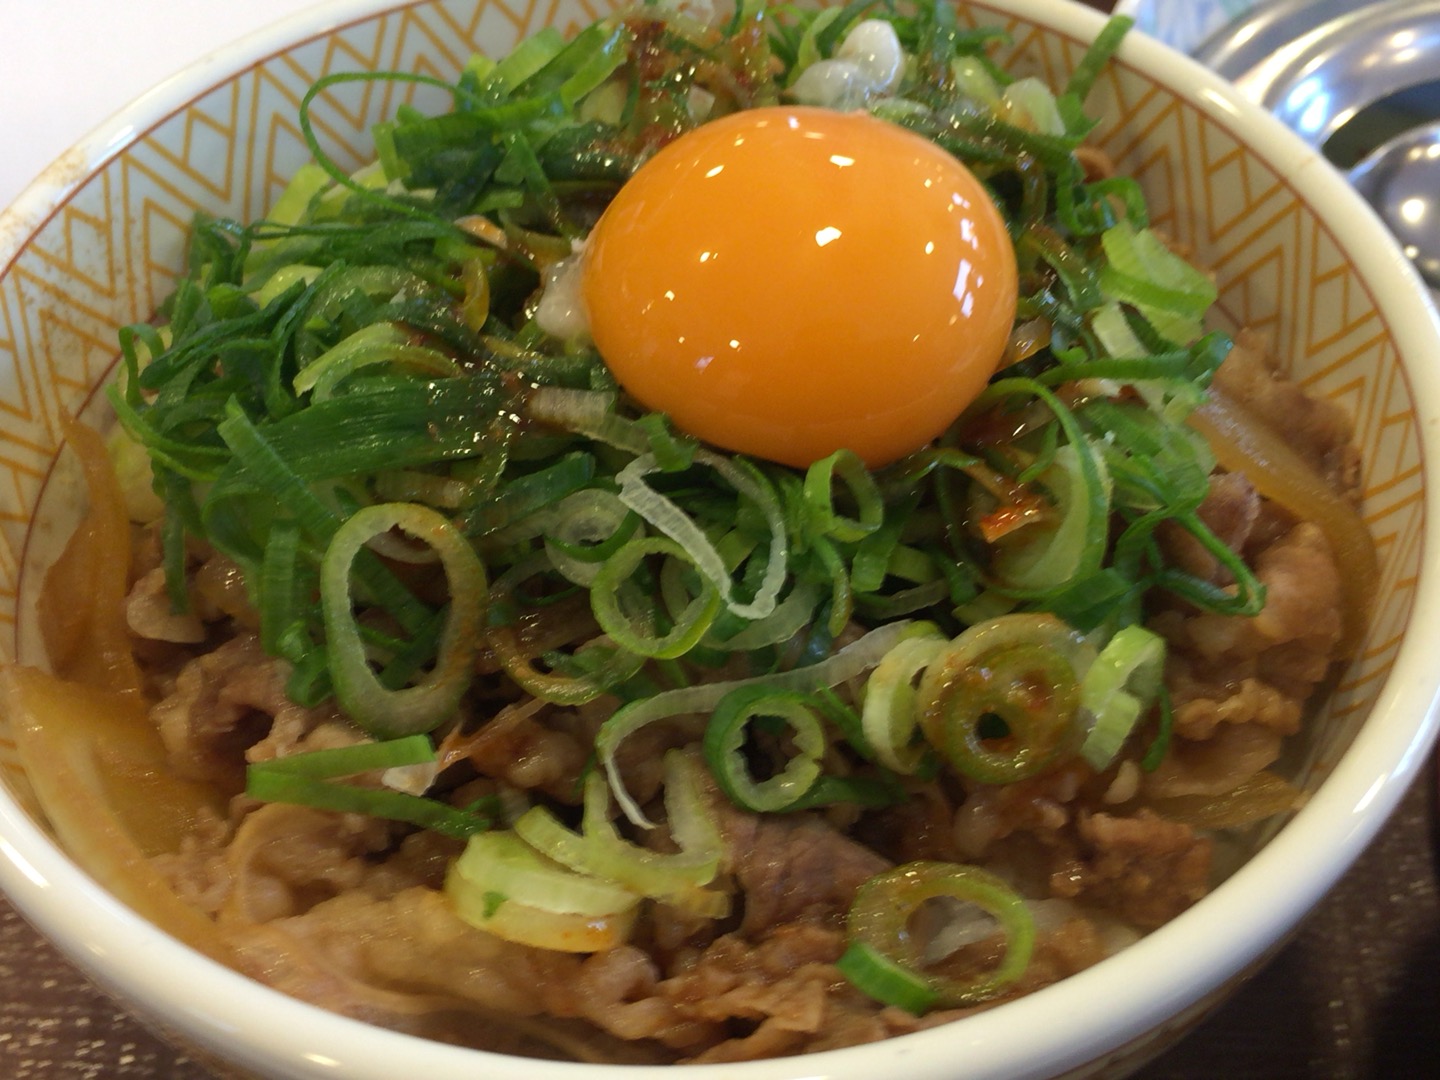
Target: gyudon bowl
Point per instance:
(1300, 266)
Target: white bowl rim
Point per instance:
(58, 181)
(1063, 1026)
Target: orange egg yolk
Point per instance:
(786, 282)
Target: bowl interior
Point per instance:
(105, 247)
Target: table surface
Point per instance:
(1356, 993)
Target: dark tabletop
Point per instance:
(1355, 995)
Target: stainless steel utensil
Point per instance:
(1361, 83)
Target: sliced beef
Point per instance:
(223, 703)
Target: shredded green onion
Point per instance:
(304, 780)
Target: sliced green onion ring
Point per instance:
(790, 617)
(877, 976)
(888, 716)
(725, 741)
(1017, 673)
(502, 862)
(1043, 557)
(505, 887)
(616, 665)
(607, 594)
(1119, 688)
(381, 711)
(820, 497)
(879, 919)
(687, 808)
(600, 851)
(587, 528)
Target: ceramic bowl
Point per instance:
(94, 244)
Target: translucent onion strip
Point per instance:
(1243, 444)
(381, 711)
(84, 627)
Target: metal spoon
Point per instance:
(1401, 179)
(1316, 63)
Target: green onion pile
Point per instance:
(439, 509)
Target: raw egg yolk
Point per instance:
(786, 282)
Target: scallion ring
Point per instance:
(381, 711)
(725, 738)
(590, 526)
(879, 926)
(879, 977)
(1119, 688)
(888, 715)
(820, 497)
(505, 887)
(609, 593)
(1000, 704)
(666, 516)
(1044, 556)
(850, 661)
(598, 850)
(612, 665)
